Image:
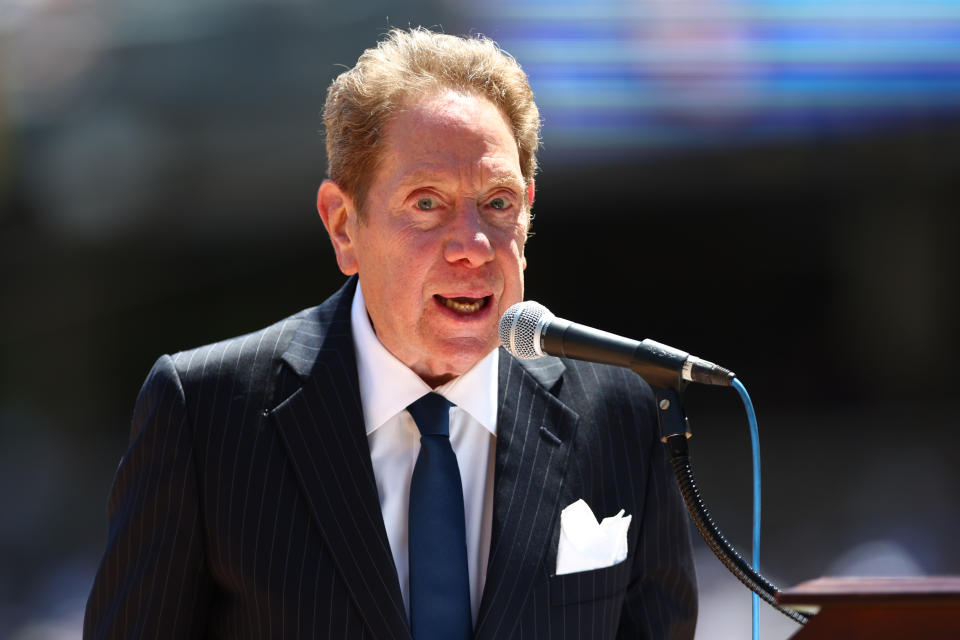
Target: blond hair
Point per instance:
(361, 101)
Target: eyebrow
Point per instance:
(510, 181)
(429, 175)
(420, 175)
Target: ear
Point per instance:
(530, 193)
(340, 219)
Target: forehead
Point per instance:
(450, 134)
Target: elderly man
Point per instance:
(375, 467)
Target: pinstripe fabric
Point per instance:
(246, 507)
(607, 452)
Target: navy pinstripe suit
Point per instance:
(245, 506)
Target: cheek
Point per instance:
(517, 245)
(518, 256)
(389, 251)
(408, 266)
(513, 263)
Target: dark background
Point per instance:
(158, 168)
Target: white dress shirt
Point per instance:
(387, 387)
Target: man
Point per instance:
(273, 484)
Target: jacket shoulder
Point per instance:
(245, 358)
(590, 383)
(247, 365)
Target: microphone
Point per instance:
(528, 330)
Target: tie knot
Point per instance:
(432, 414)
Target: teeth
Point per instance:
(462, 307)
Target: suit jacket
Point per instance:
(246, 507)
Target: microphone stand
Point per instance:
(674, 431)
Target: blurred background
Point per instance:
(772, 185)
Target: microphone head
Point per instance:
(520, 328)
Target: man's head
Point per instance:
(405, 66)
(434, 220)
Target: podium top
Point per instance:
(875, 591)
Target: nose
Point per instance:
(468, 241)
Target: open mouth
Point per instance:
(464, 306)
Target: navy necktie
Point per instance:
(439, 580)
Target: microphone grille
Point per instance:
(520, 328)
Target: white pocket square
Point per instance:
(586, 544)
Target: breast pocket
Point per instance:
(586, 586)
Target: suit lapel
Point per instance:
(321, 424)
(535, 433)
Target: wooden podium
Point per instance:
(877, 608)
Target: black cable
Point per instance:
(680, 458)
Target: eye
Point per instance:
(426, 204)
(499, 203)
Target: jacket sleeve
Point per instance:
(661, 599)
(153, 579)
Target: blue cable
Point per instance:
(755, 446)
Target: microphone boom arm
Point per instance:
(675, 430)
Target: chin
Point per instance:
(463, 353)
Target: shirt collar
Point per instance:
(387, 386)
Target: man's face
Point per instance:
(440, 249)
